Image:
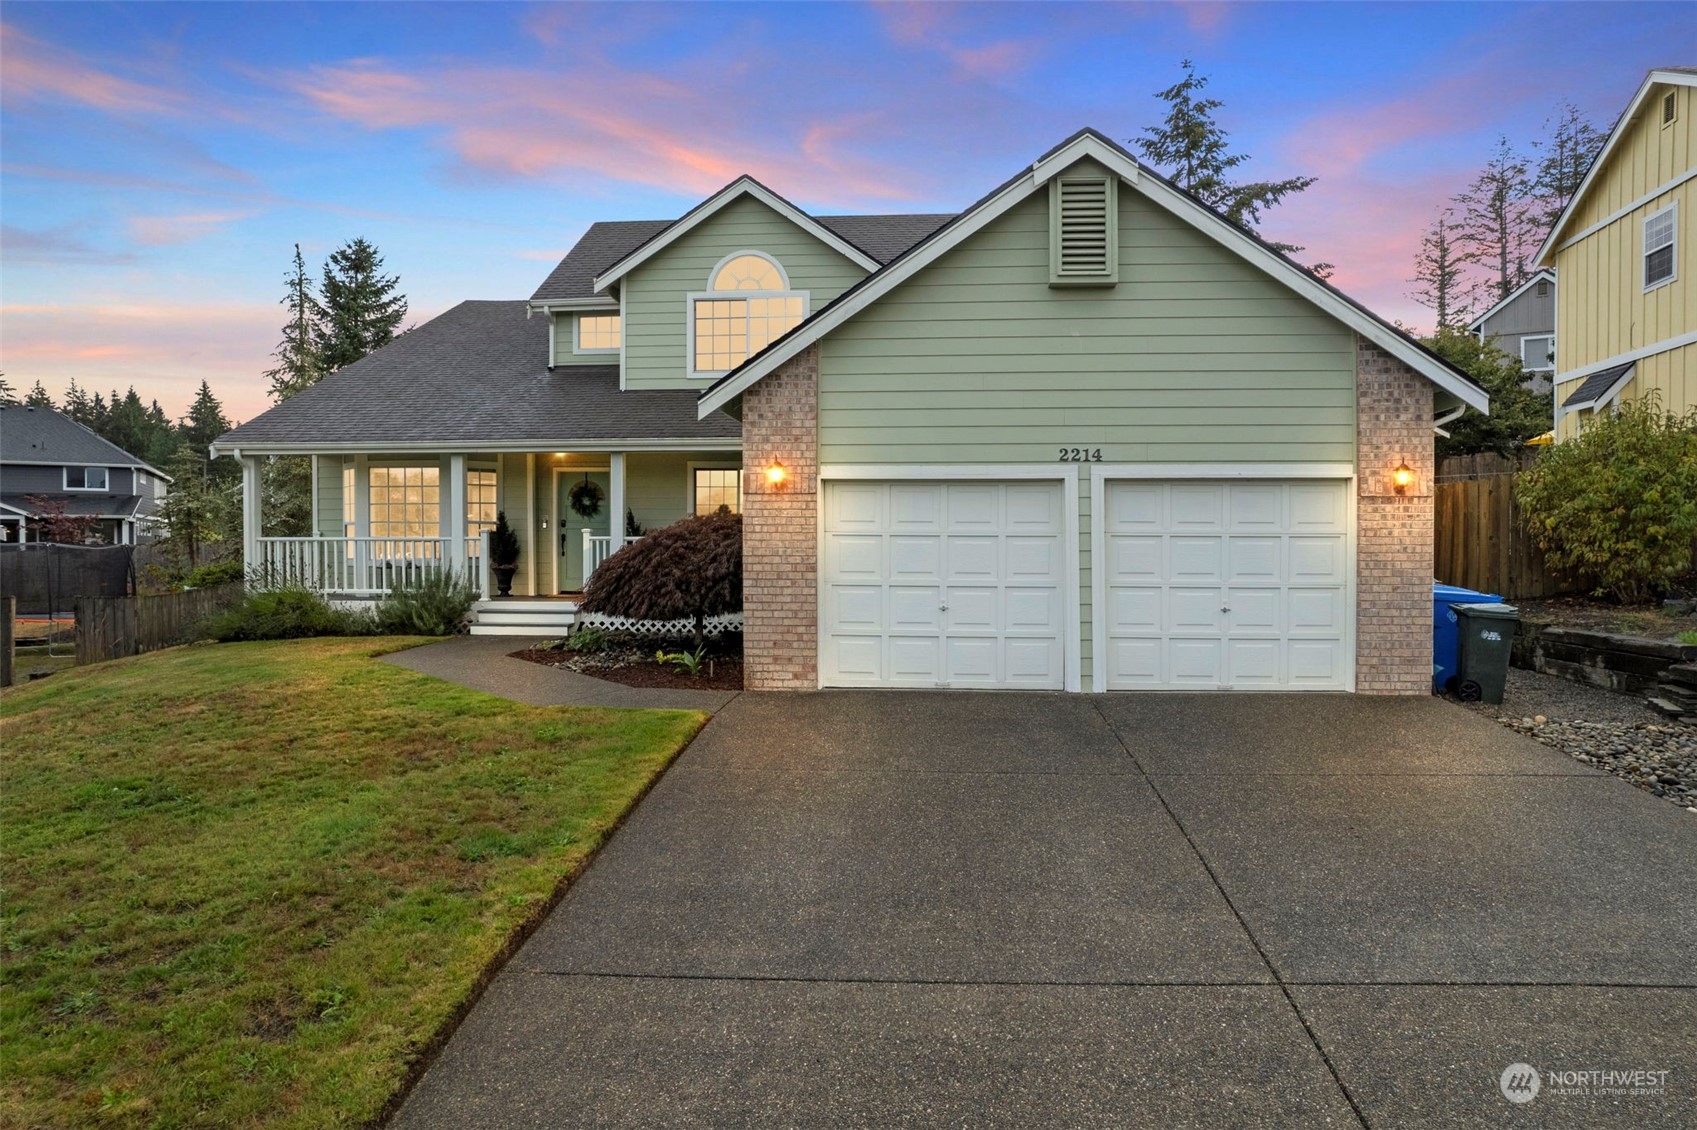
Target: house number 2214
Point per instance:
(1081, 455)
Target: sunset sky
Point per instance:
(158, 161)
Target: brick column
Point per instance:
(780, 547)
(1394, 532)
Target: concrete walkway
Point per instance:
(485, 663)
(934, 909)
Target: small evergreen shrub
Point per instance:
(1618, 505)
(588, 640)
(434, 606)
(211, 576)
(285, 613)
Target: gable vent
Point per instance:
(1083, 243)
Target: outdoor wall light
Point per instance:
(1402, 477)
(775, 474)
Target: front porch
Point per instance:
(385, 518)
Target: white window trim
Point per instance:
(1102, 473)
(577, 322)
(1545, 365)
(692, 466)
(1644, 252)
(1066, 474)
(103, 488)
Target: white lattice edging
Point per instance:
(715, 626)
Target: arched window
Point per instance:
(747, 305)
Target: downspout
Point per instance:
(1448, 418)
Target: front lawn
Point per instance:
(245, 884)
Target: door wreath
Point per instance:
(585, 498)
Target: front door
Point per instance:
(572, 523)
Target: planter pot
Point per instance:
(504, 578)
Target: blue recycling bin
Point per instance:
(1446, 636)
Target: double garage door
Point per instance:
(1200, 585)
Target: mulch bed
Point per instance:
(725, 674)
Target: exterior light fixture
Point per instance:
(1402, 477)
(775, 474)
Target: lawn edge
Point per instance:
(432, 1047)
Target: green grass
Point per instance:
(1688, 638)
(245, 884)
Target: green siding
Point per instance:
(1195, 356)
(327, 508)
(563, 355)
(655, 333)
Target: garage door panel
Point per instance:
(916, 557)
(1218, 585)
(944, 583)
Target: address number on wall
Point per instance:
(1081, 455)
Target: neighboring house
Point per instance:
(46, 454)
(1085, 434)
(1626, 323)
(1523, 325)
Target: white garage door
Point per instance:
(958, 584)
(1218, 585)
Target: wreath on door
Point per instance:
(586, 497)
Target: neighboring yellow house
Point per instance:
(1626, 313)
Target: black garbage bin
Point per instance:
(1487, 640)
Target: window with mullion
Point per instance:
(718, 489)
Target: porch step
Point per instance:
(547, 618)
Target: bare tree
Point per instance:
(1440, 273)
(1567, 151)
(1498, 226)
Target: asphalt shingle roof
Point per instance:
(1597, 384)
(882, 237)
(41, 435)
(99, 505)
(477, 374)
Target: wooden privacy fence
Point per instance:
(113, 627)
(1481, 536)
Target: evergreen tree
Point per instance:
(1440, 273)
(1497, 225)
(78, 405)
(362, 308)
(1517, 412)
(300, 361)
(38, 398)
(1193, 150)
(1567, 152)
(204, 423)
(8, 394)
(200, 511)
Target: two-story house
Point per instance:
(47, 455)
(1626, 321)
(1084, 434)
(1523, 325)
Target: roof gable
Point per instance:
(1662, 76)
(1544, 275)
(44, 436)
(1090, 144)
(736, 190)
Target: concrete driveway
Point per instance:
(955, 909)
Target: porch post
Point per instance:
(252, 526)
(616, 501)
(458, 560)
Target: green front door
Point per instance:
(572, 524)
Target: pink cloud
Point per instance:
(37, 71)
(689, 133)
(944, 28)
(158, 231)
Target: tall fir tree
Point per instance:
(1193, 151)
(300, 362)
(1566, 152)
(79, 406)
(363, 309)
(204, 423)
(8, 394)
(1440, 273)
(39, 398)
(1498, 226)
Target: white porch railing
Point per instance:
(361, 566)
(598, 549)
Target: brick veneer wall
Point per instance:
(1394, 532)
(780, 547)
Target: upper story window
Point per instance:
(748, 305)
(1538, 354)
(85, 478)
(1660, 230)
(597, 333)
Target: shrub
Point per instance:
(689, 570)
(1618, 505)
(433, 606)
(588, 640)
(211, 576)
(285, 613)
(503, 542)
